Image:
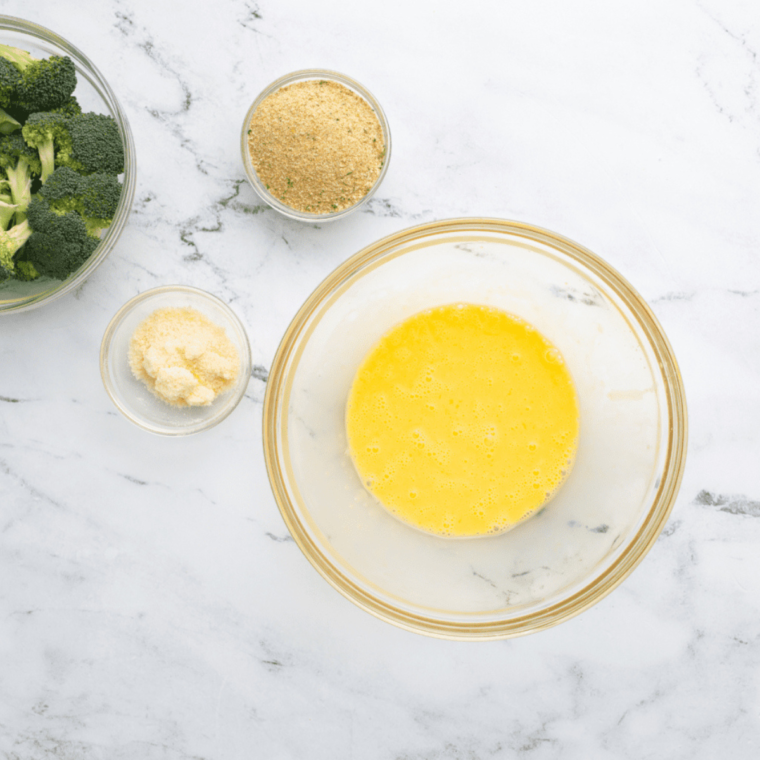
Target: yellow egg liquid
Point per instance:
(462, 420)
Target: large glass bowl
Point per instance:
(602, 521)
(93, 94)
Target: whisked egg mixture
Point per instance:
(463, 420)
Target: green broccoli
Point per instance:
(70, 108)
(25, 270)
(7, 267)
(59, 169)
(48, 132)
(99, 198)
(87, 143)
(7, 123)
(18, 57)
(9, 82)
(62, 189)
(95, 196)
(20, 163)
(96, 145)
(58, 244)
(44, 84)
(7, 209)
(10, 241)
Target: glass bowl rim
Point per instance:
(637, 546)
(15, 24)
(300, 76)
(235, 396)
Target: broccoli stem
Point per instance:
(7, 123)
(20, 185)
(47, 158)
(18, 234)
(19, 58)
(7, 210)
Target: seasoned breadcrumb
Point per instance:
(317, 146)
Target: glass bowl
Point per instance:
(601, 522)
(133, 398)
(300, 76)
(93, 94)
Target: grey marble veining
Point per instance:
(152, 604)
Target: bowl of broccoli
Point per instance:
(67, 166)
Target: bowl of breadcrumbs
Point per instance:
(315, 145)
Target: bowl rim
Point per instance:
(234, 397)
(300, 76)
(637, 547)
(108, 242)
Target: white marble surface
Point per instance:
(152, 605)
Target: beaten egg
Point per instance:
(463, 420)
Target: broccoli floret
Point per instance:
(99, 196)
(62, 189)
(20, 163)
(48, 83)
(44, 84)
(59, 243)
(48, 132)
(58, 168)
(10, 241)
(96, 145)
(70, 108)
(13, 148)
(87, 143)
(7, 267)
(95, 196)
(9, 81)
(25, 271)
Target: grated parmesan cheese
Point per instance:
(183, 357)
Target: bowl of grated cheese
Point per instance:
(175, 360)
(315, 145)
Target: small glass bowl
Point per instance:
(133, 398)
(93, 94)
(604, 518)
(300, 76)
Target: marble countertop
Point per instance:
(152, 604)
